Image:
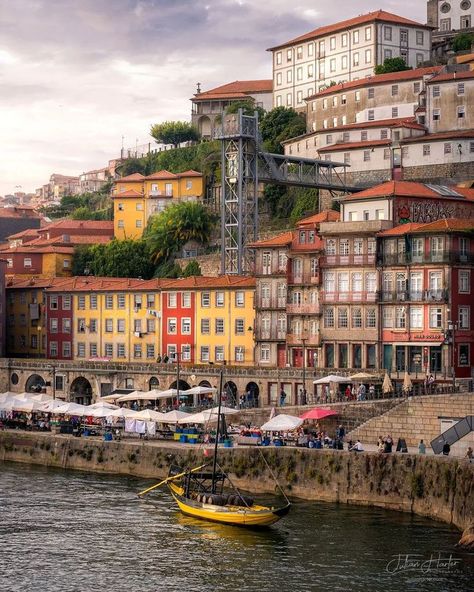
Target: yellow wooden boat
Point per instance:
(230, 508)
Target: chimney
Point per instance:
(198, 88)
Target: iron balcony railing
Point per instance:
(415, 296)
(334, 260)
(436, 257)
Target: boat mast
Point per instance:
(214, 464)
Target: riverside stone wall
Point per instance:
(436, 487)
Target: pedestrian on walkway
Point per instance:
(421, 447)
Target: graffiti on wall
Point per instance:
(423, 211)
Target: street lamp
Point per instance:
(303, 397)
(53, 372)
(452, 328)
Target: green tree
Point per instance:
(170, 230)
(132, 165)
(248, 107)
(124, 258)
(305, 204)
(168, 269)
(391, 65)
(463, 42)
(278, 125)
(192, 269)
(174, 132)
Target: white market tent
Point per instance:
(208, 415)
(123, 412)
(51, 406)
(149, 415)
(141, 395)
(103, 405)
(331, 379)
(174, 416)
(281, 423)
(199, 390)
(42, 397)
(71, 409)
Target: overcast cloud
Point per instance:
(77, 75)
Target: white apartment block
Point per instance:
(344, 52)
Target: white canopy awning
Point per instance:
(71, 409)
(150, 415)
(123, 412)
(199, 390)
(174, 416)
(208, 415)
(281, 423)
(103, 405)
(332, 378)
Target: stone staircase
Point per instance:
(415, 418)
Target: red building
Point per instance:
(59, 322)
(178, 307)
(427, 288)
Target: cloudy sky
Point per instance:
(77, 75)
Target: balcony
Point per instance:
(265, 303)
(337, 260)
(303, 309)
(159, 193)
(444, 257)
(272, 334)
(270, 270)
(416, 296)
(328, 297)
(309, 340)
(304, 279)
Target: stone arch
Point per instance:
(205, 126)
(35, 383)
(183, 385)
(153, 383)
(81, 391)
(205, 383)
(229, 395)
(252, 393)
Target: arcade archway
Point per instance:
(81, 391)
(35, 384)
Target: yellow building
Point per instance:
(136, 198)
(115, 319)
(26, 318)
(225, 320)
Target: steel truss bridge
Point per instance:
(244, 166)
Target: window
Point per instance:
(81, 302)
(387, 317)
(139, 207)
(219, 353)
(299, 100)
(109, 325)
(343, 281)
(109, 350)
(299, 52)
(138, 223)
(366, 155)
(239, 326)
(400, 317)
(436, 114)
(330, 246)
(416, 317)
(464, 354)
(464, 281)
(150, 325)
(27, 262)
(121, 301)
(239, 353)
(357, 282)
(463, 317)
(426, 149)
(447, 148)
(299, 73)
(172, 326)
(370, 318)
(387, 33)
(278, 79)
(329, 317)
(368, 56)
(355, 58)
(204, 353)
(81, 325)
(387, 54)
(460, 88)
(186, 326)
(109, 301)
(344, 66)
(310, 49)
(416, 87)
(394, 90)
(368, 33)
(120, 350)
(121, 224)
(342, 318)
(172, 299)
(347, 157)
(355, 36)
(357, 96)
(93, 326)
(186, 299)
(344, 247)
(420, 37)
(205, 299)
(150, 350)
(363, 136)
(53, 302)
(394, 112)
(332, 64)
(436, 318)
(81, 350)
(461, 111)
(384, 134)
(220, 299)
(53, 325)
(205, 326)
(278, 57)
(120, 325)
(356, 318)
(219, 326)
(370, 115)
(66, 325)
(310, 75)
(289, 76)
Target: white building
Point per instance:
(344, 51)
(450, 16)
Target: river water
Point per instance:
(70, 531)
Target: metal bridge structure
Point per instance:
(244, 166)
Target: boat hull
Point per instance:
(235, 515)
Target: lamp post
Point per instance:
(53, 383)
(452, 327)
(303, 397)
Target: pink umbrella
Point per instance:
(318, 413)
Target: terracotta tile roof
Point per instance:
(447, 225)
(129, 193)
(69, 225)
(318, 245)
(130, 178)
(464, 59)
(190, 173)
(236, 89)
(352, 145)
(400, 230)
(402, 76)
(161, 175)
(281, 240)
(33, 283)
(74, 239)
(106, 284)
(379, 15)
(19, 212)
(29, 233)
(38, 249)
(440, 136)
(409, 189)
(450, 76)
(324, 216)
(409, 122)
